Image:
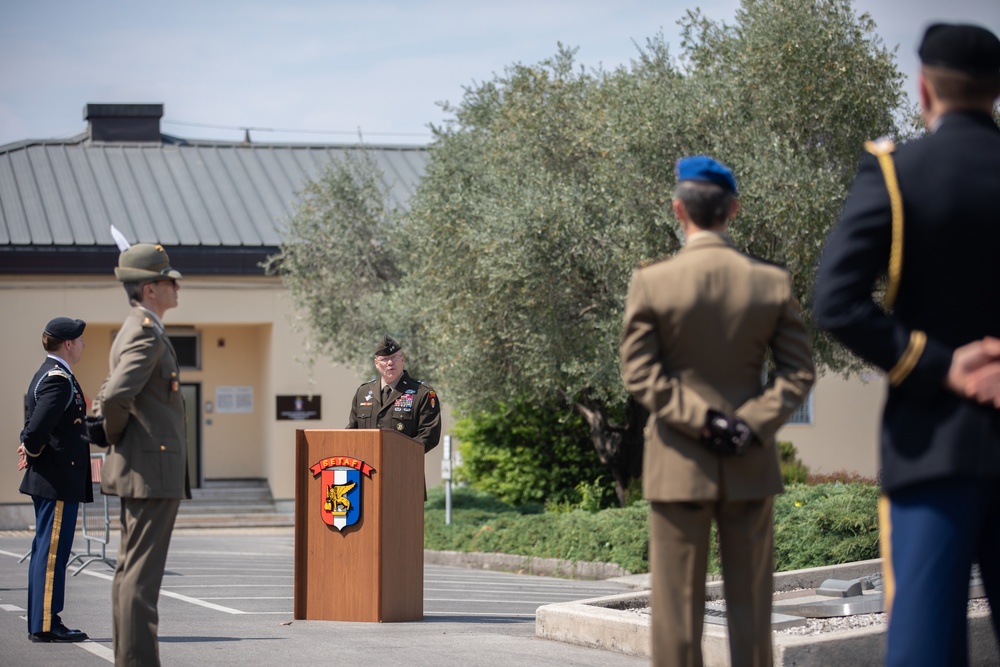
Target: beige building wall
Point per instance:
(247, 339)
(844, 433)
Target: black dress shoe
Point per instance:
(79, 632)
(59, 634)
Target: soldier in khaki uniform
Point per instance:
(146, 466)
(697, 329)
(396, 401)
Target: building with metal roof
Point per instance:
(215, 206)
(218, 209)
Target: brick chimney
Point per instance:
(124, 122)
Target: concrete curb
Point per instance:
(548, 567)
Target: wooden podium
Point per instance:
(373, 569)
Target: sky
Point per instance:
(332, 70)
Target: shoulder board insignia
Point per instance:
(147, 322)
(880, 146)
(58, 371)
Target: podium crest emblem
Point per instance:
(341, 478)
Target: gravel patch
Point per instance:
(817, 626)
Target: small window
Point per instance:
(187, 345)
(804, 414)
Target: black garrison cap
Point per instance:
(65, 328)
(966, 48)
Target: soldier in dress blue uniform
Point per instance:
(55, 454)
(926, 211)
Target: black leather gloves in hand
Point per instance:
(95, 431)
(725, 435)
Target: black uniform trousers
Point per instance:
(55, 523)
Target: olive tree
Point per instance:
(549, 183)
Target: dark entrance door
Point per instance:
(192, 405)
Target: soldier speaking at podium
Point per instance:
(926, 212)
(396, 401)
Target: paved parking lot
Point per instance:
(227, 600)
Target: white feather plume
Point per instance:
(120, 239)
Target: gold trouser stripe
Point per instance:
(908, 360)
(50, 567)
(885, 551)
(883, 152)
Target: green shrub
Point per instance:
(530, 453)
(793, 471)
(825, 524)
(842, 476)
(615, 535)
(592, 498)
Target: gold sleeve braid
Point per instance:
(882, 150)
(908, 360)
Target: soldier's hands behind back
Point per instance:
(975, 371)
(725, 435)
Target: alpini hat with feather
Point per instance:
(145, 262)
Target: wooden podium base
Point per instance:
(373, 569)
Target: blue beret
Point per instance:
(705, 169)
(65, 328)
(966, 48)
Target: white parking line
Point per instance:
(169, 585)
(200, 603)
(100, 650)
(251, 598)
(176, 596)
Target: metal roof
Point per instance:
(62, 194)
